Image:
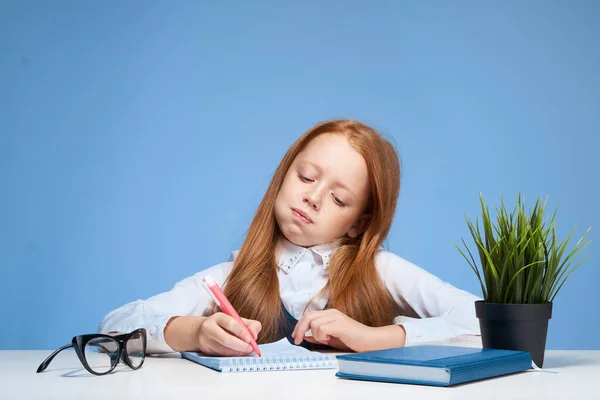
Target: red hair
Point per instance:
(354, 286)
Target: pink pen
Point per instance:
(211, 286)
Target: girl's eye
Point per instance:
(305, 179)
(338, 202)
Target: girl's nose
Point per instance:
(311, 202)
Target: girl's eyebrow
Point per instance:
(338, 183)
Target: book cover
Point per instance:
(432, 364)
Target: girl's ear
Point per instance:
(359, 226)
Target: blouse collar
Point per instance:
(290, 253)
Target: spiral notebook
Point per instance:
(278, 356)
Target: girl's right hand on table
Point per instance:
(221, 335)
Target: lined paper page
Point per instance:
(277, 356)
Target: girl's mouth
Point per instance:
(301, 216)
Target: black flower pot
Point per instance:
(515, 327)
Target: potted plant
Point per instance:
(523, 266)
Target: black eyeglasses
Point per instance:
(100, 353)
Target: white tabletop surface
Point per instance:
(578, 377)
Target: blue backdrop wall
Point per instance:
(138, 137)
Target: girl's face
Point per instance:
(324, 193)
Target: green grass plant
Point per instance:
(521, 260)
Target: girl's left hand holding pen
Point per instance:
(334, 328)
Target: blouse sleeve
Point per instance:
(433, 310)
(187, 297)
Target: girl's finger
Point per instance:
(234, 327)
(234, 343)
(254, 326)
(224, 337)
(217, 349)
(320, 328)
(305, 320)
(310, 339)
(303, 325)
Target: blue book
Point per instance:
(432, 364)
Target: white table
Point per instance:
(172, 377)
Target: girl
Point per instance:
(312, 262)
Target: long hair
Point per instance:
(354, 285)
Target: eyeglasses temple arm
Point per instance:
(47, 361)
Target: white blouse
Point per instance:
(428, 308)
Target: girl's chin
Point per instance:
(297, 237)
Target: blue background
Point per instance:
(137, 138)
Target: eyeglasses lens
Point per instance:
(135, 349)
(101, 354)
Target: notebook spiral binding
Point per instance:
(247, 364)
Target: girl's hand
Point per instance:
(334, 328)
(222, 335)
